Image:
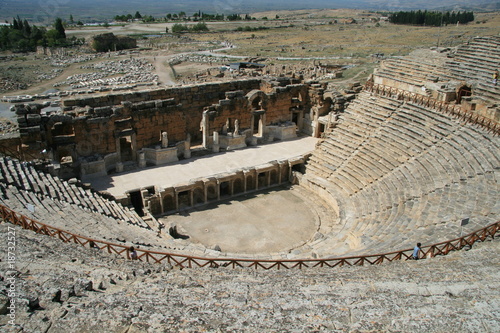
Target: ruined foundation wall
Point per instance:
(189, 96)
(125, 123)
(177, 111)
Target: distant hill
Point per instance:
(40, 11)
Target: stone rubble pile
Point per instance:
(8, 127)
(65, 61)
(127, 71)
(48, 76)
(196, 58)
(9, 85)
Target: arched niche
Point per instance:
(257, 99)
(198, 196)
(168, 203)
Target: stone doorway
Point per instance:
(126, 150)
(256, 119)
(463, 91)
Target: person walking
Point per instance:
(416, 251)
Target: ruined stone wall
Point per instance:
(234, 107)
(276, 104)
(177, 111)
(94, 136)
(282, 100)
(181, 115)
(125, 123)
(190, 96)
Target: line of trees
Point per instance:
(20, 36)
(198, 27)
(128, 17)
(182, 16)
(431, 18)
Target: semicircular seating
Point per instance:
(402, 173)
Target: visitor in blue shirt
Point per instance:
(416, 251)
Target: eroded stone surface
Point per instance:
(84, 290)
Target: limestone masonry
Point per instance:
(414, 155)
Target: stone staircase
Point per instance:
(473, 63)
(81, 211)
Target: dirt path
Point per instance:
(162, 69)
(39, 88)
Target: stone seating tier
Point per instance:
(26, 178)
(473, 64)
(415, 71)
(412, 178)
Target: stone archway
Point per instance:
(257, 101)
(463, 91)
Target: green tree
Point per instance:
(26, 29)
(71, 19)
(52, 38)
(15, 25)
(177, 28)
(234, 17)
(199, 27)
(137, 15)
(58, 26)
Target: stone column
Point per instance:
(164, 140)
(262, 125)
(236, 128)
(205, 192)
(280, 170)
(245, 175)
(162, 206)
(314, 121)
(176, 194)
(218, 190)
(142, 160)
(204, 129)
(187, 146)
(118, 148)
(133, 143)
(215, 145)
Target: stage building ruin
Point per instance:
(95, 135)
